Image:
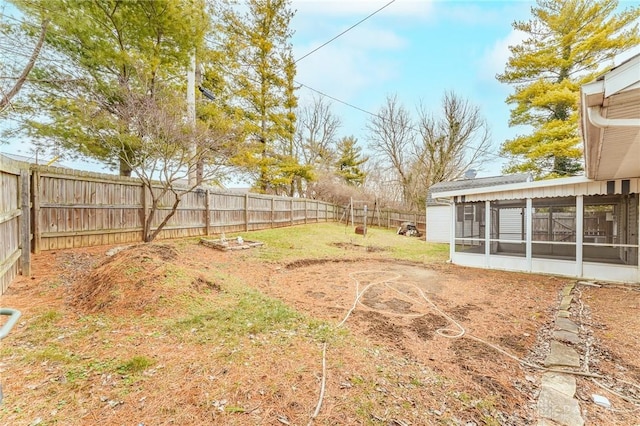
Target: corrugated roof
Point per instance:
(476, 183)
(480, 182)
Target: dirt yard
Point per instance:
(155, 334)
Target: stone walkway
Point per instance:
(556, 402)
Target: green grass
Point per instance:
(135, 365)
(322, 240)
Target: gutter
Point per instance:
(596, 118)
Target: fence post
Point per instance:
(207, 213)
(35, 192)
(273, 203)
(246, 212)
(317, 211)
(25, 223)
(292, 211)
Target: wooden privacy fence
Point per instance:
(14, 221)
(49, 208)
(78, 209)
(386, 218)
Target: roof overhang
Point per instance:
(521, 186)
(551, 188)
(610, 123)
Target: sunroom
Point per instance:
(583, 226)
(573, 227)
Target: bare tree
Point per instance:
(164, 154)
(316, 133)
(454, 142)
(392, 137)
(449, 143)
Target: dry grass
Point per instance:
(177, 333)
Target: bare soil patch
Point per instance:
(396, 362)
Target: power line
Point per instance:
(412, 127)
(338, 100)
(345, 31)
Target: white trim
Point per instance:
(452, 232)
(529, 232)
(623, 77)
(487, 233)
(579, 233)
(517, 186)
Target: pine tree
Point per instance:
(260, 80)
(108, 52)
(350, 160)
(568, 43)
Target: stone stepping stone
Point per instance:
(566, 291)
(562, 355)
(563, 383)
(567, 325)
(558, 407)
(566, 337)
(565, 304)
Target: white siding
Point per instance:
(510, 222)
(438, 224)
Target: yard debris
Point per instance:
(283, 419)
(409, 229)
(230, 244)
(601, 400)
(589, 283)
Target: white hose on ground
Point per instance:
(444, 332)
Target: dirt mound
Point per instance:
(358, 247)
(127, 281)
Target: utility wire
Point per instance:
(412, 127)
(344, 32)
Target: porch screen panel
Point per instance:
(508, 227)
(611, 229)
(470, 227)
(554, 228)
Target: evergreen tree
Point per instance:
(568, 43)
(350, 161)
(260, 80)
(108, 53)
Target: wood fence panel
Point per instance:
(78, 209)
(226, 212)
(386, 218)
(14, 246)
(259, 214)
(298, 212)
(281, 212)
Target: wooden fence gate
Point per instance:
(15, 233)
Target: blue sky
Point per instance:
(413, 48)
(416, 49)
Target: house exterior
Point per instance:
(438, 210)
(585, 227)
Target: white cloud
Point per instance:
(417, 9)
(495, 58)
(354, 63)
(344, 72)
